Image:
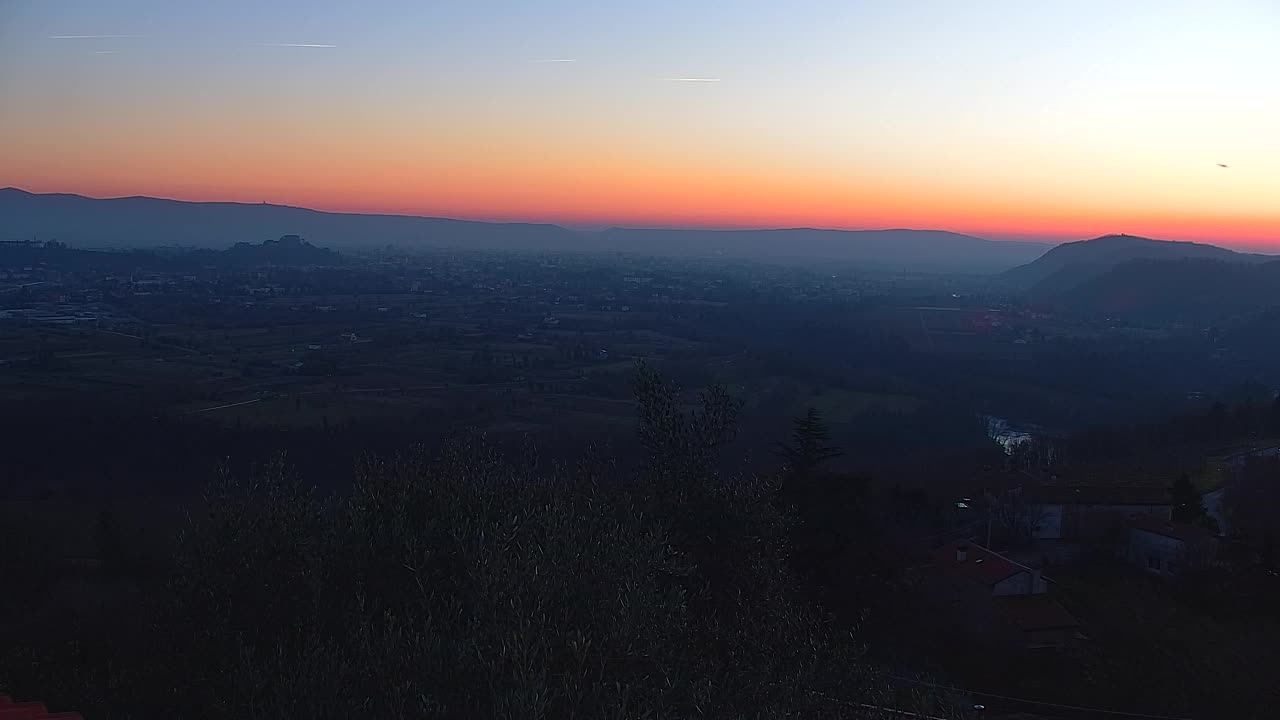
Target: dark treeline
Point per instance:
(60, 256)
(465, 583)
(462, 580)
(1071, 383)
(1255, 415)
(94, 451)
(288, 250)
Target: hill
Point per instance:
(1196, 290)
(1072, 264)
(152, 222)
(288, 250)
(139, 222)
(898, 249)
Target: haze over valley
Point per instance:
(151, 222)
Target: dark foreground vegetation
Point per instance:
(466, 581)
(463, 584)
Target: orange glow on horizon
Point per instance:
(1050, 121)
(599, 178)
(726, 204)
(643, 171)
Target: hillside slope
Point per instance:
(1072, 264)
(1196, 290)
(151, 222)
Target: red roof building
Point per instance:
(998, 597)
(966, 561)
(10, 710)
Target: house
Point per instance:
(1085, 513)
(1167, 548)
(1040, 620)
(1215, 506)
(1226, 468)
(1234, 459)
(1002, 601)
(966, 562)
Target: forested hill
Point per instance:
(1178, 290)
(1072, 264)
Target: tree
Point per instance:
(1252, 503)
(1017, 519)
(810, 444)
(836, 539)
(1188, 506)
(464, 584)
(1273, 421)
(680, 446)
(110, 547)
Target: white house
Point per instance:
(1167, 548)
(1077, 513)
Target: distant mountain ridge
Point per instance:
(152, 222)
(139, 221)
(1072, 264)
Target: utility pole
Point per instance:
(986, 498)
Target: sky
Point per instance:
(1050, 120)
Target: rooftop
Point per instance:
(1096, 494)
(1036, 612)
(980, 564)
(1227, 452)
(1176, 530)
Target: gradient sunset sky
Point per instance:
(1006, 119)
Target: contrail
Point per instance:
(693, 79)
(92, 37)
(556, 60)
(299, 45)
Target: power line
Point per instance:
(956, 529)
(1042, 703)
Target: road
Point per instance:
(222, 407)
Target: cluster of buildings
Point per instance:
(1006, 598)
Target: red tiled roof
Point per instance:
(1095, 495)
(1176, 530)
(10, 710)
(980, 564)
(1035, 612)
